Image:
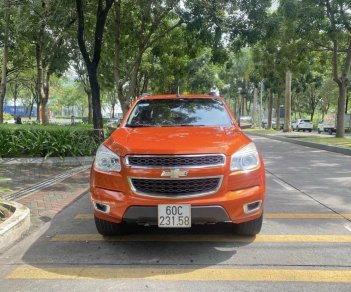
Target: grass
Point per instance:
(4, 189)
(332, 141)
(2, 209)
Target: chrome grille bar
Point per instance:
(175, 161)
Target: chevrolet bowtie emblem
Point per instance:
(174, 173)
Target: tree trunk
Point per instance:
(45, 100)
(134, 80)
(38, 111)
(31, 109)
(14, 105)
(277, 111)
(347, 102)
(90, 104)
(93, 64)
(254, 108)
(36, 100)
(248, 107)
(270, 110)
(96, 103)
(145, 85)
(287, 117)
(340, 127)
(4, 61)
(40, 81)
(123, 100)
(242, 111)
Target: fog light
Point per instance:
(252, 207)
(101, 207)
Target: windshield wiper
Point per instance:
(181, 125)
(139, 125)
(187, 125)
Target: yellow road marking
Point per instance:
(84, 216)
(268, 216)
(208, 238)
(266, 275)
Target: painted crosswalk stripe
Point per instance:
(267, 216)
(261, 238)
(167, 274)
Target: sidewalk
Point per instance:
(45, 187)
(48, 202)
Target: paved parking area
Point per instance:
(305, 243)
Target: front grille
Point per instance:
(175, 187)
(158, 161)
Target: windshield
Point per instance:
(179, 112)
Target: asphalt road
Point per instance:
(305, 243)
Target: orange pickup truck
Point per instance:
(176, 161)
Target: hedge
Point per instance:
(46, 141)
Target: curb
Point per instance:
(15, 226)
(329, 148)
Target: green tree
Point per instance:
(138, 25)
(90, 45)
(326, 24)
(6, 6)
(46, 23)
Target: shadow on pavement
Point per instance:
(163, 249)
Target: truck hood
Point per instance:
(176, 140)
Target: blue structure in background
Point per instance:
(21, 110)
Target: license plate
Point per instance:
(174, 215)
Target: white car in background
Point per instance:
(302, 125)
(326, 127)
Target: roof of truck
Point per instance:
(168, 96)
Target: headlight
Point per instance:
(106, 160)
(245, 159)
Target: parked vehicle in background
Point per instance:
(245, 122)
(302, 125)
(329, 123)
(112, 124)
(326, 127)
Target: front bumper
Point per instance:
(230, 206)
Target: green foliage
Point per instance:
(45, 141)
(7, 117)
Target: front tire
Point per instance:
(249, 228)
(107, 228)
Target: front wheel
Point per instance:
(310, 130)
(107, 228)
(249, 228)
(330, 131)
